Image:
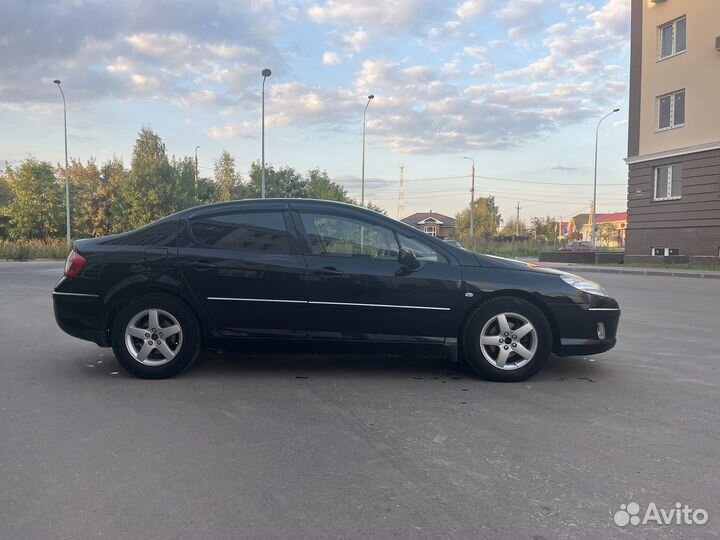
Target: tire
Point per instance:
(520, 355)
(156, 354)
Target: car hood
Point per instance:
(492, 261)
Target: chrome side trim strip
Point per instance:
(279, 301)
(381, 305)
(257, 300)
(76, 294)
(603, 309)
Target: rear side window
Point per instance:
(256, 231)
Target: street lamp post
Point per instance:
(196, 174)
(362, 181)
(265, 73)
(67, 169)
(472, 202)
(594, 202)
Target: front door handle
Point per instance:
(330, 271)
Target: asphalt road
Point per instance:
(355, 446)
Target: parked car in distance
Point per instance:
(323, 276)
(453, 243)
(577, 246)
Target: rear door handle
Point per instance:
(330, 271)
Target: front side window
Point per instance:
(421, 251)
(328, 234)
(668, 182)
(673, 38)
(671, 110)
(257, 231)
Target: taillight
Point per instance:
(74, 264)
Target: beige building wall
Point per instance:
(697, 70)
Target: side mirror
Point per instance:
(408, 259)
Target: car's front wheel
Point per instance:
(155, 336)
(507, 339)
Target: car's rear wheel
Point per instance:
(155, 336)
(507, 339)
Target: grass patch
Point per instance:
(24, 250)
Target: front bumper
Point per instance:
(80, 316)
(585, 330)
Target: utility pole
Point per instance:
(594, 201)
(196, 174)
(362, 180)
(401, 201)
(472, 203)
(265, 74)
(592, 222)
(67, 169)
(517, 220)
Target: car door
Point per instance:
(244, 266)
(358, 290)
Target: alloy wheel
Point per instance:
(508, 341)
(153, 337)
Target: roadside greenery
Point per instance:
(107, 198)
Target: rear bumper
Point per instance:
(80, 316)
(585, 330)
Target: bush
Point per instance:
(23, 250)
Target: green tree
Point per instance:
(6, 198)
(285, 182)
(113, 214)
(227, 180)
(149, 189)
(207, 191)
(38, 207)
(87, 199)
(487, 220)
(184, 177)
(513, 227)
(319, 186)
(545, 228)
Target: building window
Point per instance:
(430, 229)
(672, 38)
(671, 110)
(668, 182)
(664, 251)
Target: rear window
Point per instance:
(257, 231)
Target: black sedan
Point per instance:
(319, 275)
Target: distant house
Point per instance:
(611, 229)
(432, 223)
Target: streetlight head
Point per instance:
(371, 96)
(57, 81)
(266, 72)
(617, 109)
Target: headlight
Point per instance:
(583, 284)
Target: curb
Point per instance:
(644, 272)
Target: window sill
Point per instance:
(667, 199)
(668, 57)
(660, 130)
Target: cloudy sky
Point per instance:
(516, 84)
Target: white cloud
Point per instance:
(471, 9)
(331, 58)
(613, 17)
(401, 14)
(356, 40)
